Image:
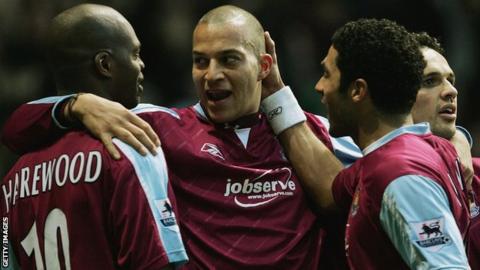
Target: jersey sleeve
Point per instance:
(33, 125)
(146, 231)
(416, 216)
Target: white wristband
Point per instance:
(282, 110)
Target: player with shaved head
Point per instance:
(92, 33)
(69, 205)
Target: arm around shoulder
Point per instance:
(32, 125)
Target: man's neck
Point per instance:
(375, 128)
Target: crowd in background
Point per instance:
(301, 29)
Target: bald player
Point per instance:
(240, 203)
(69, 205)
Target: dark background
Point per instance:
(301, 29)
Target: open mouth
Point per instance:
(448, 112)
(448, 109)
(217, 95)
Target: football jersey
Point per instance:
(408, 208)
(240, 202)
(243, 206)
(473, 246)
(70, 206)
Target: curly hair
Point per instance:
(384, 54)
(428, 41)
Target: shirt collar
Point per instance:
(246, 121)
(418, 129)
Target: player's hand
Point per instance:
(106, 119)
(463, 150)
(273, 82)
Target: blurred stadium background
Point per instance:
(301, 29)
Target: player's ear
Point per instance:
(266, 61)
(103, 63)
(359, 90)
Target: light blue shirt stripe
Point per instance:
(140, 108)
(153, 175)
(48, 100)
(346, 150)
(145, 107)
(343, 147)
(412, 202)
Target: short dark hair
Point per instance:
(428, 41)
(387, 56)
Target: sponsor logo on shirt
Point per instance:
(166, 212)
(212, 149)
(262, 189)
(430, 234)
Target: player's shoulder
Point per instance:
(406, 157)
(317, 120)
(443, 147)
(318, 124)
(77, 153)
(77, 147)
(435, 142)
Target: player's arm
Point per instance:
(146, 232)
(34, 125)
(106, 119)
(415, 214)
(313, 161)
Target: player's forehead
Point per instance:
(435, 63)
(329, 62)
(125, 31)
(215, 38)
